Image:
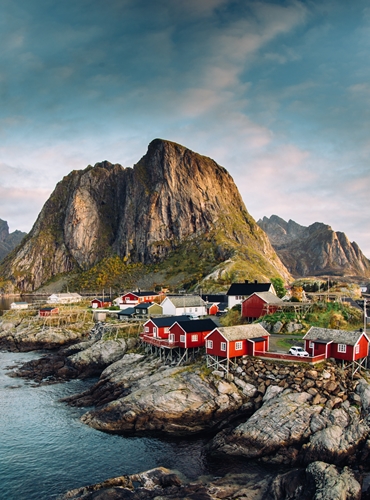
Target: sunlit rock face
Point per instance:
(140, 214)
(314, 250)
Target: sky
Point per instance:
(277, 92)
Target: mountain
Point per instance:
(172, 199)
(315, 250)
(8, 241)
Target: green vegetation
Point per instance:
(279, 286)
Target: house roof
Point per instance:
(352, 303)
(248, 288)
(336, 336)
(141, 294)
(145, 305)
(101, 299)
(241, 332)
(197, 325)
(129, 311)
(48, 308)
(218, 297)
(268, 297)
(20, 303)
(186, 300)
(168, 320)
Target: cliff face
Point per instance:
(140, 214)
(8, 241)
(314, 250)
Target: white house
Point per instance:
(19, 305)
(178, 305)
(238, 292)
(64, 298)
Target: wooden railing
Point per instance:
(290, 357)
(149, 339)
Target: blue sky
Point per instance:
(277, 92)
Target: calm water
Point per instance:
(46, 450)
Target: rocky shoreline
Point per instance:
(316, 421)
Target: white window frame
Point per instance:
(171, 337)
(342, 348)
(311, 344)
(238, 345)
(155, 331)
(223, 346)
(182, 338)
(146, 329)
(166, 330)
(357, 349)
(210, 344)
(194, 338)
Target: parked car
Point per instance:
(298, 351)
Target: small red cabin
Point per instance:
(338, 344)
(100, 303)
(191, 333)
(160, 327)
(259, 304)
(236, 341)
(48, 311)
(134, 298)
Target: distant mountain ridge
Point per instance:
(170, 198)
(8, 241)
(315, 250)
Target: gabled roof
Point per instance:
(167, 320)
(215, 298)
(241, 332)
(48, 308)
(145, 305)
(129, 311)
(186, 300)
(267, 297)
(141, 294)
(65, 295)
(336, 336)
(101, 299)
(197, 325)
(248, 288)
(352, 303)
(20, 303)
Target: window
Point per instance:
(155, 331)
(223, 346)
(357, 350)
(310, 345)
(146, 329)
(166, 330)
(171, 337)
(194, 338)
(195, 309)
(342, 348)
(182, 338)
(210, 344)
(238, 346)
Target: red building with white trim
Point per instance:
(338, 344)
(236, 341)
(191, 333)
(259, 304)
(99, 303)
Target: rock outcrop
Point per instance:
(8, 241)
(315, 250)
(320, 481)
(142, 214)
(173, 401)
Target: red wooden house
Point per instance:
(133, 298)
(259, 304)
(48, 311)
(235, 341)
(338, 344)
(99, 303)
(160, 327)
(191, 333)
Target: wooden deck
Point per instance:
(290, 357)
(157, 342)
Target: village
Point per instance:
(179, 328)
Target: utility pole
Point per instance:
(365, 315)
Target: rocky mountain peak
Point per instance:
(141, 214)
(8, 241)
(314, 250)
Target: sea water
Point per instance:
(46, 450)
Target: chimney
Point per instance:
(255, 282)
(246, 281)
